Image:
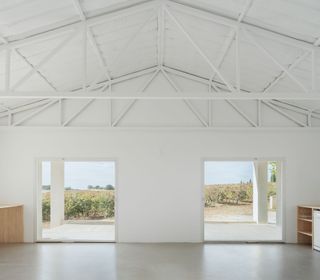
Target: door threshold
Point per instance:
(244, 242)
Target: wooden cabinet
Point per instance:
(11, 223)
(305, 224)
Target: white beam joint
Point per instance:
(187, 102)
(132, 102)
(76, 114)
(289, 117)
(195, 45)
(275, 61)
(35, 68)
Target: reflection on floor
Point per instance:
(80, 232)
(242, 232)
(158, 261)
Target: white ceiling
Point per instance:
(129, 42)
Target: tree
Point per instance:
(46, 187)
(109, 187)
(273, 171)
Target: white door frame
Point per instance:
(37, 227)
(281, 160)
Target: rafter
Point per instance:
(88, 36)
(120, 53)
(55, 30)
(213, 16)
(129, 95)
(275, 61)
(161, 35)
(295, 63)
(8, 65)
(283, 73)
(288, 116)
(230, 38)
(36, 68)
(195, 45)
(29, 116)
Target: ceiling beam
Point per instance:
(187, 102)
(274, 60)
(230, 37)
(35, 68)
(161, 35)
(34, 113)
(241, 113)
(132, 102)
(286, 115)
(89, 36)
(8, 65)
(195, 95)
(77, 113)
(54, 30)
(278, 78)
(195, 45)
(222, 19)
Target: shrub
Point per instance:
(46, 207)
(83, 204)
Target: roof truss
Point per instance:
(162, 11)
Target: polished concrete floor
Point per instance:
(158, 262)
(242, 232)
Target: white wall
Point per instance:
(159, 172)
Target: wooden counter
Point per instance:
(11, 223)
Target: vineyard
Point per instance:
(100, 204)
(83, 204)
(232, 194)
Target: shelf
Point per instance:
(305, 233)
(305, 219)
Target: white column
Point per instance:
(57, 193)
(260, 192)
(279, 192)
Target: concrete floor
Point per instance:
(272, 218)
(80, 232)
(241, 232)
(158, 262)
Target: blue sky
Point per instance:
(80, 174)
(227, 172)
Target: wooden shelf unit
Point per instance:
(305, 224)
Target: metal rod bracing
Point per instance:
(138, 96)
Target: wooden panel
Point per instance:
(11, 224)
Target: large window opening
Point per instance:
(77, 201)
(242, 201)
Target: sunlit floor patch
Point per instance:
(80, 232)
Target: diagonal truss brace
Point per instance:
(288, 116)
(187, 102)
(195, 45)
(275, 61)
(19, 122)
(244, 115)
(43, 61)
(131, 103)
(76, 114)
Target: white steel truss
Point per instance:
(162, 11)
